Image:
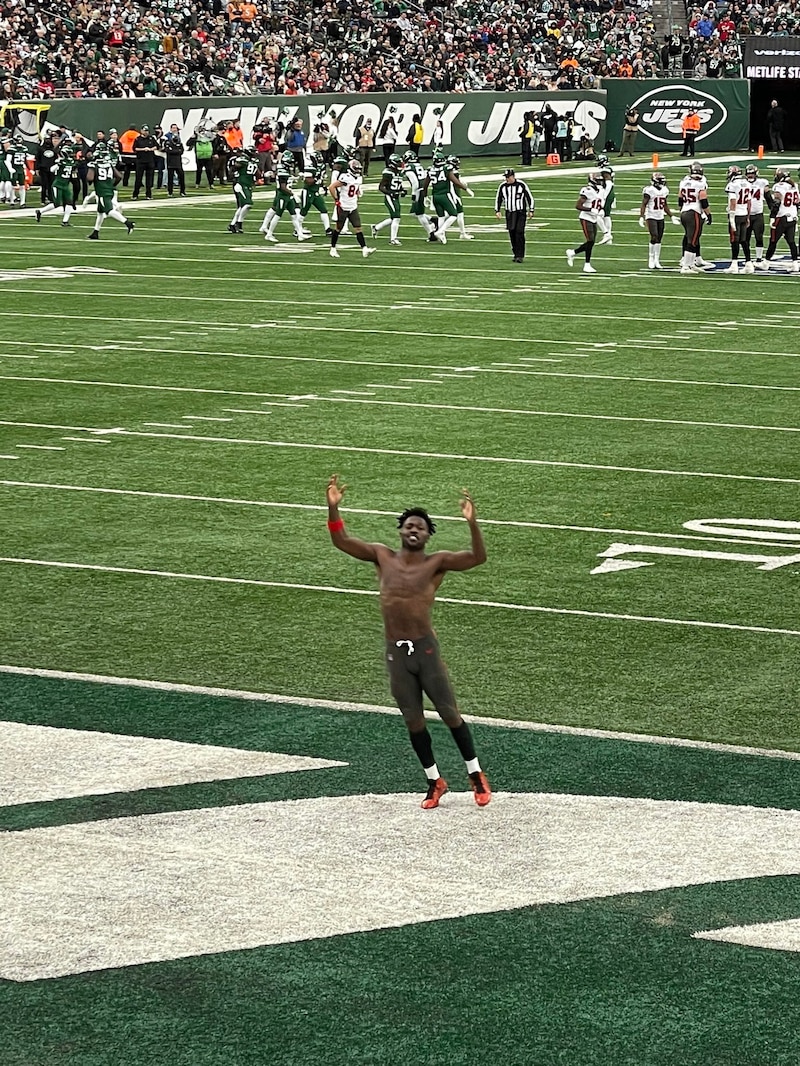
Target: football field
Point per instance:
(211, 847)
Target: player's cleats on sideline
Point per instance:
(480, 788)
(436, 789)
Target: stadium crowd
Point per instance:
(123, 48)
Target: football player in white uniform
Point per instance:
(346, 190)
(783, 200)
(589, 206)
(653, 209)
(605, 222)
(738, 193)
(755, 231)
(693, 204)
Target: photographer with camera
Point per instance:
(321, 138)
(203, 151)
(264, 142)
(629, 130)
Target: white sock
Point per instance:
(117, 215)
(273, 225)
(446, 223)
(657, 254)
(651, 259)
(382, 224)
(325, 220)
(395, 228)
(22, 193)
(67, 212)
(473, 766)
(609, 224)
(425, 222)
(98, 222)
(462, 226)
(297, 224)
(432, 772)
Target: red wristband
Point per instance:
(337, 526)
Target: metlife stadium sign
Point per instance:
(771, 57)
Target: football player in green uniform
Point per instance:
(392, 188)
(102, 174)
(455, 163)
(284, 201)
(16, 159)
(243, 169)
(62, 171)
(443, 180)
(414, 171)
(312, 193)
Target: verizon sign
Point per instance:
(772, 57)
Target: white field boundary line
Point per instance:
(452, 601)
(397, 306)
(372, 708)
(413, 455)
(318, 507)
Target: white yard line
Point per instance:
(42, 447)
(320, 508)
(349, 448)
(338, 590)
(551, 414)
(371, 708)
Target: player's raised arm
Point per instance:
(359, 549)
(476, 555)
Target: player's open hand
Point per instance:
(335, 491)
(467, 505)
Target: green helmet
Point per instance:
(340, 162)
(251, 151)
(395, 161)
(438, 154)
(409, 157)
(287, 159)
(453, 161)
(318, 159)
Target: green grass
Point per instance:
(586, 411)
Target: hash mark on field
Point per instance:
(206, 418)
(351, 392)
(16, 456)
(94, 440)
(167, 425)
(28, 356)
(45, 447)
(371, 386)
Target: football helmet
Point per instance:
(18, 140)
(751, 172)
(602, 160)
(696, 170)
(340, 163)
(318, 159)
(409, 157)
(781, 174)
(395, 162)
(607, 171)
(251, 152)
(354, 166)
(596, 179)
(734, 172)
(287, 159)
(658, 180)
(453, 162)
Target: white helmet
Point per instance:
(354, 166)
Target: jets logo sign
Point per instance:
(662, 110)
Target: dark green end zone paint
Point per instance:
(606, 982)
(376, 749)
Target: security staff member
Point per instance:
(690, 127)
(515, 198)
(145, 148)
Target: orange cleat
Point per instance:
(436, 789)
(480, 787)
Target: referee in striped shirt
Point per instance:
(514, 197)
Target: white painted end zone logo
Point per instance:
(662, 111)
(760, 529)
(49, 273)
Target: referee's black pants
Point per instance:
(515, 224)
